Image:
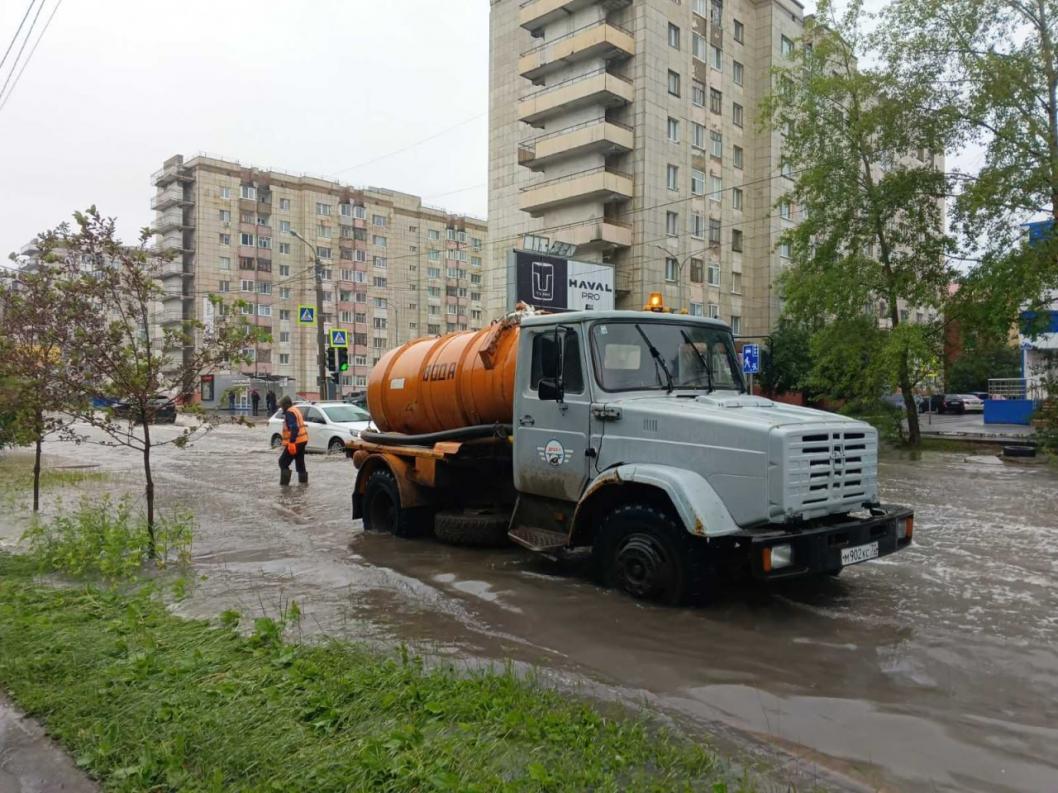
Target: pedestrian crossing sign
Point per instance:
(306, 315)
(339, 338)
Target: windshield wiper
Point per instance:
(657, 357)
(705, 363)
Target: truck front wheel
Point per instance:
(383, 512)
(641, 550)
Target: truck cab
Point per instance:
(633, 434)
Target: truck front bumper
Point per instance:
(824, 546)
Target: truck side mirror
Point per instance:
(549, 389)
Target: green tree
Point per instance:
(980, 361)
(870, 237)
(787, 362)
(989, 69)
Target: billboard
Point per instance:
(558, 284)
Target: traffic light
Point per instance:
(343, 359)
(331, 356)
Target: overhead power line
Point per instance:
(17, 32)
(47, 24)
(21, 48)
(413, 145)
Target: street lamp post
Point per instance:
(321, 345)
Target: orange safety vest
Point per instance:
(303, 431)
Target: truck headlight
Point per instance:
(777, 557)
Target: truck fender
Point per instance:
(411, 494)
(697, 504)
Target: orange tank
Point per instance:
(442, 383)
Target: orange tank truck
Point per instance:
(437, 384)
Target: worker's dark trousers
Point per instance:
(299, 460)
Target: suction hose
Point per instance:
(430, 438)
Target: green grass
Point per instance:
(148, 701)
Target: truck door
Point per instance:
(552, 413)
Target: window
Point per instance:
(698, 93)
(698, 135)
(786, 169)
(248, 191)
(698, 46)
(716, 12)
(674, 36)
(716, 58)
(284, 204)
(736, 114)
(264, 288)
(433, 272)
(323, 252)
(714, 311)
(714, 231)
(284, 269)
(284, 247)
(697, 310)
(736, 198)
(225, 286)
(697, 269)
(225, 262)
(284, 293)
(323, 209)
(716, 143)
(379, 323)
(740, 32)
(225, 215)
(672, 269)
(475, 261)
(545, 356)
(378, 220)
(674, 130)
(323, 230)
(784, 250)
(225, 192)
(673, 177)
(284, 357)
(786, 46)
(784, 210)
(246, 239)
(737, 156)
(264, 311)
(716, 101)
(699, 8)
(264, 242)
(379, 262)
(246, 286)
(736, 239)
(674, 83)
(433, 234)
(713, 274)
(225, 239)
(284, 313)
(697, 182)
(716, 187)
(737, 72)
(672, 224)
(736, 283)
(378, 240)
(379, 282)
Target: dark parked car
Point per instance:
(160, 410)
(962, 403)
(933, 404)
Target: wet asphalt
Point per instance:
(935, 669)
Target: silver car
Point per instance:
(330, 425)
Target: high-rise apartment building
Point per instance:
(629, 129)
(394, 268)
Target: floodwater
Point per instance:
(935, 669)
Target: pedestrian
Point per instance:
(255, 398)
(231, 401)
(295, 439)
(270, 401)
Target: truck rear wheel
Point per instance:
(477, 528)
(383, 512)
(643, 551)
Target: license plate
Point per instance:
(859, 553)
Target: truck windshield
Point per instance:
(696, 356)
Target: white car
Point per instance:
(330, 424)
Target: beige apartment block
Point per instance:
(630, 130)
(394, 268)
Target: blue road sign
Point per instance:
(339, 338)
(306, 315)
(750, 358)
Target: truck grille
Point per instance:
(830, 469)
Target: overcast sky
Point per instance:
(326, 88)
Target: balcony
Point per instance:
(171, 174)
(172, 220)
(594, 184)
(174, 269)
(598, 234)
(600, 39)
(598, 87)
(598, 135)
(170, 197)
(535, 14)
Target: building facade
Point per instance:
(394, 268)
(629, 130)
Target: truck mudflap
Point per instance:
(823, 546)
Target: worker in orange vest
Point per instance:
(295, 439)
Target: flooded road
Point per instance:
(933, 669)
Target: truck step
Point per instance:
(539, 540)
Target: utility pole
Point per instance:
(321, 344)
